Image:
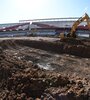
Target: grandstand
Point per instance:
(14, 29)
(14, 26)
(56, 26)
(50, 26)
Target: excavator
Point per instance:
(72, 33)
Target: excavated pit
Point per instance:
(74, 47)
(41, 70)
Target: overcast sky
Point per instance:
(15, 10)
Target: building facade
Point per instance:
(43, 27)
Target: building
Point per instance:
(14, 29)
(55, 26)
(43, 27)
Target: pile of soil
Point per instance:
(74, 47)
(22, 79)
(69, 46)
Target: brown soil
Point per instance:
(44, 70)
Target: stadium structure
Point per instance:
(14, 29)
(43, 27)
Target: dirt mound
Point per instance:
(78, 50)
(37, 83)
(21, 79)
(4, 69)
(76, 47)
(73, 41)
(8, 44)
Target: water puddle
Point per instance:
(46, 66)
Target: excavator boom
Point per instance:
(75, 25)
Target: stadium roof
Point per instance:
(50, 19)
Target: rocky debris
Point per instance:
(37, 83)
(22, 79)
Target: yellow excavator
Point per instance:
(72, 33)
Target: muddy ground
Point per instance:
(44, 69)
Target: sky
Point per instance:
(11, 11)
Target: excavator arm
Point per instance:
(75, 25)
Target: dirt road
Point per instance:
(36, 68)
